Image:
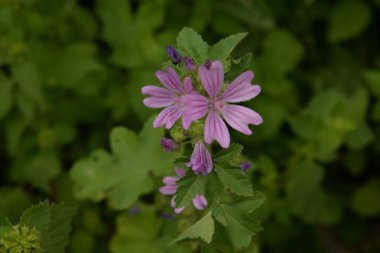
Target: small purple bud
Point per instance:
(200, 202)
(168, 144)
(201, 161)
(190, 64)
(174, 55)
(245, 166)
(207, 64)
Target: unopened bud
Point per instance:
(174, 55)
(190, 64)
(168, 144)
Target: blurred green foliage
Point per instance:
(71, 70)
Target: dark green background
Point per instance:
(72, 70)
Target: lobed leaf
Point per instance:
(203, 229)
(188, 187)
(233, 179)
(191, 44)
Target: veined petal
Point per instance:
(212, 79)
(239, 117)
(170, 80)
(155, 91)
(188, 85)
(168, 117)
(154, 102)
(216, 129)
(241, 89)
(201, 161)
(160, 97)
(196, 108)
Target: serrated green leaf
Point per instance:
(188, 187)
(122, 176)
(238, 219)
(226, 155)
(241, 229)
(233, 179)
(222, 49)
(57, 237)
(191, 44)
(250, 204)
(238, 66)
(38, 217)
(245, 206)
(344, 25)
(203, 229)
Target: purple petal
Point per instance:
(201, 161)
(169, 180)
(170, 80)
(188, 85)
(167, 117)
(212, 79)
(239, 117)
(216, 129)
(241, 89)
(168, 189)
(180, 172)
(197, 107)
(160, 97)
(200, 202)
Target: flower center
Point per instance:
(216, 104)
(178, 101)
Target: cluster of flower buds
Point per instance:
(199, 105)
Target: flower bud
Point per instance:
(190, 64)
(207, 64)
(168, 144)
(174, 55)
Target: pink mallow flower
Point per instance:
(200, 161)
(218, 105)
(172, 97)
(170, 188)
